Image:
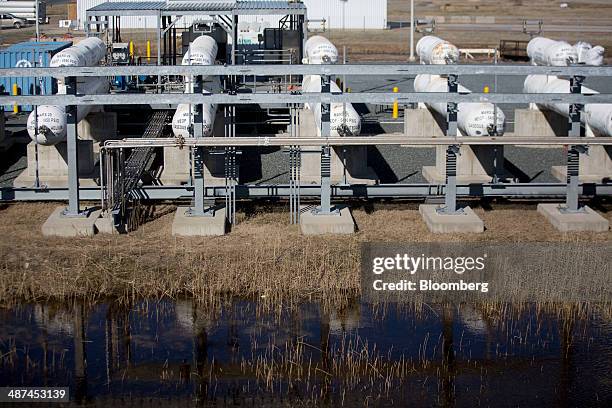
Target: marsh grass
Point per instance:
(263, 256)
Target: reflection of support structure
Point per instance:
(449, 218)
(448, 373)
(326, 219)
(80, 356)
(571, 216)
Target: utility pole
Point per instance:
(37, 27)
(412, 58)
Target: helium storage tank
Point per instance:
(473, 119)
(547, 52)
(202, 51)
(597, 116)
(344, 119)
(49, 126)
(434, 50)
(319, 50)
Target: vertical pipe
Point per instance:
(158, 49)
(412, 58)
(395, 104)
(15, 93)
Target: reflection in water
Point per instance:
(242, 352)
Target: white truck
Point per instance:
(25, 10)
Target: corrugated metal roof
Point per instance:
(199, 5)
(268, 5)
(42, 46)
(132, 5)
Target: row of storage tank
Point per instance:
(48, 126)
(475, 119)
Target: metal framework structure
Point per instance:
(325, 191)
(224, 12)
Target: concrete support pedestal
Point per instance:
(341, 223)
(176, 167)
(585, 220)
(595, 167)
(53, 167)
(350, 163)
(186, 225)
(58, 225)
(536, 123)
(176, 162)
(98, 126)
(105, 225)
(475, 164)
(421, 122)
(439, 223)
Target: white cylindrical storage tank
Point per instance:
(343, 117)
(85, 53)
(589, 55)
(473, 119)
(184, 117)
(319, 50)
(434, 50)
(597, 116)
(51, 122)
(544, 51)
(202, 51)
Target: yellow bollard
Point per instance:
(395, 105)
(148, 51)
(15, 93)
(339, 83)
(348, 90)
(131, 48)
(486, 89)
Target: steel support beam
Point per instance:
(198, 209)
(73, 209)
(450, 196)
(325, 207)
(241, 98)
(337, 70)
(572, 204)
(281, 191)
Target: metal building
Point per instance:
(338, 14)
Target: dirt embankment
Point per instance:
(262, 254)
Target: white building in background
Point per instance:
(338, 14)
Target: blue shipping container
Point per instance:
(30, 54)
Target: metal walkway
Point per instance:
(128, 172)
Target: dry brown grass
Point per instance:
(262, 255)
